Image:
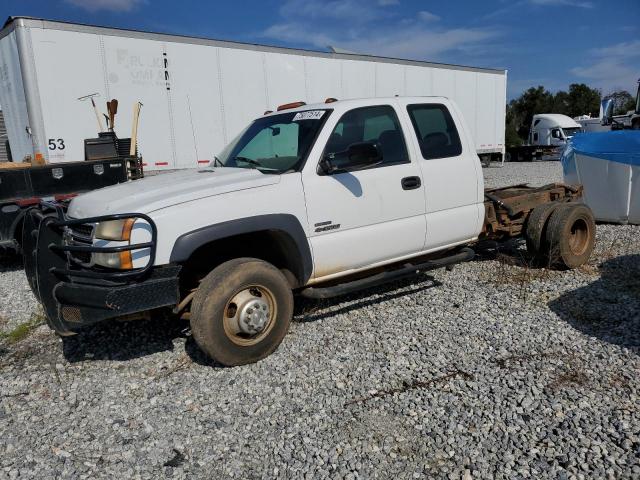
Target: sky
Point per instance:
(540, 42)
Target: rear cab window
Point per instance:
(436, 131)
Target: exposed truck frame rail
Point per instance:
(507, 209)
(558, 229)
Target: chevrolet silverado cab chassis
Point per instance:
(318, 200)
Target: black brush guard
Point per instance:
(75, 294)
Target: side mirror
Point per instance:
(362, 155)
(606, 111)
(358, 156)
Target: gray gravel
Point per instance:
(535, 174)
(491, 370)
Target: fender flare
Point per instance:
(288, 224)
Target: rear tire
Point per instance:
(241, 311)
(535, 232)
(571, 236)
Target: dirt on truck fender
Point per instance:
(315, 200)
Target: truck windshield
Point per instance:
(570, 132)
(276, 143)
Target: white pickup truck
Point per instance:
(317, 200)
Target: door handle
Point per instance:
(411, 183)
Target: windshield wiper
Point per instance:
(257, 165)
(250, 161)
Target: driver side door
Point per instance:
(369, 216)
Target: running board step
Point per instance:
(462, 255)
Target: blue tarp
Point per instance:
(621, 146)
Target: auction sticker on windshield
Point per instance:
(309, 115)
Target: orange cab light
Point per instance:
(287, 106)
(268, 112)
(330, 100)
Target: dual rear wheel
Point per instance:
(561, 235)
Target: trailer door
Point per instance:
(12, 99)
(68, 66)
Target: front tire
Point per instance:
(241, 311)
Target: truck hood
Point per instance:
(164, 190)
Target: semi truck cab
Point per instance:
(552, 129)
(631, 120)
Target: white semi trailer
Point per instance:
(199, 93)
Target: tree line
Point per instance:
(579, 100)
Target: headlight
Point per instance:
(120, 260)
(119, 230)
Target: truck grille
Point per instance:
(83, 232)
(82, 235)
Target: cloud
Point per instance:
(353, 10)
(562, 3)
(359, 26)
(291, 32)
(428, 16)
(536, 4)
(386, 3)
(418, 43)
(624, 49)
(109, 5)
(613, 67)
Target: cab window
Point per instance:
(436, 131)
(275, 143)
(378, 125)
(279, 140)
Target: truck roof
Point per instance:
(550, 120)
(360, 102)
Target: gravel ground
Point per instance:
(492, 370)
(535, 174)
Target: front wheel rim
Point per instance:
(249, 315)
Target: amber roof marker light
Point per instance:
(287, 106)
